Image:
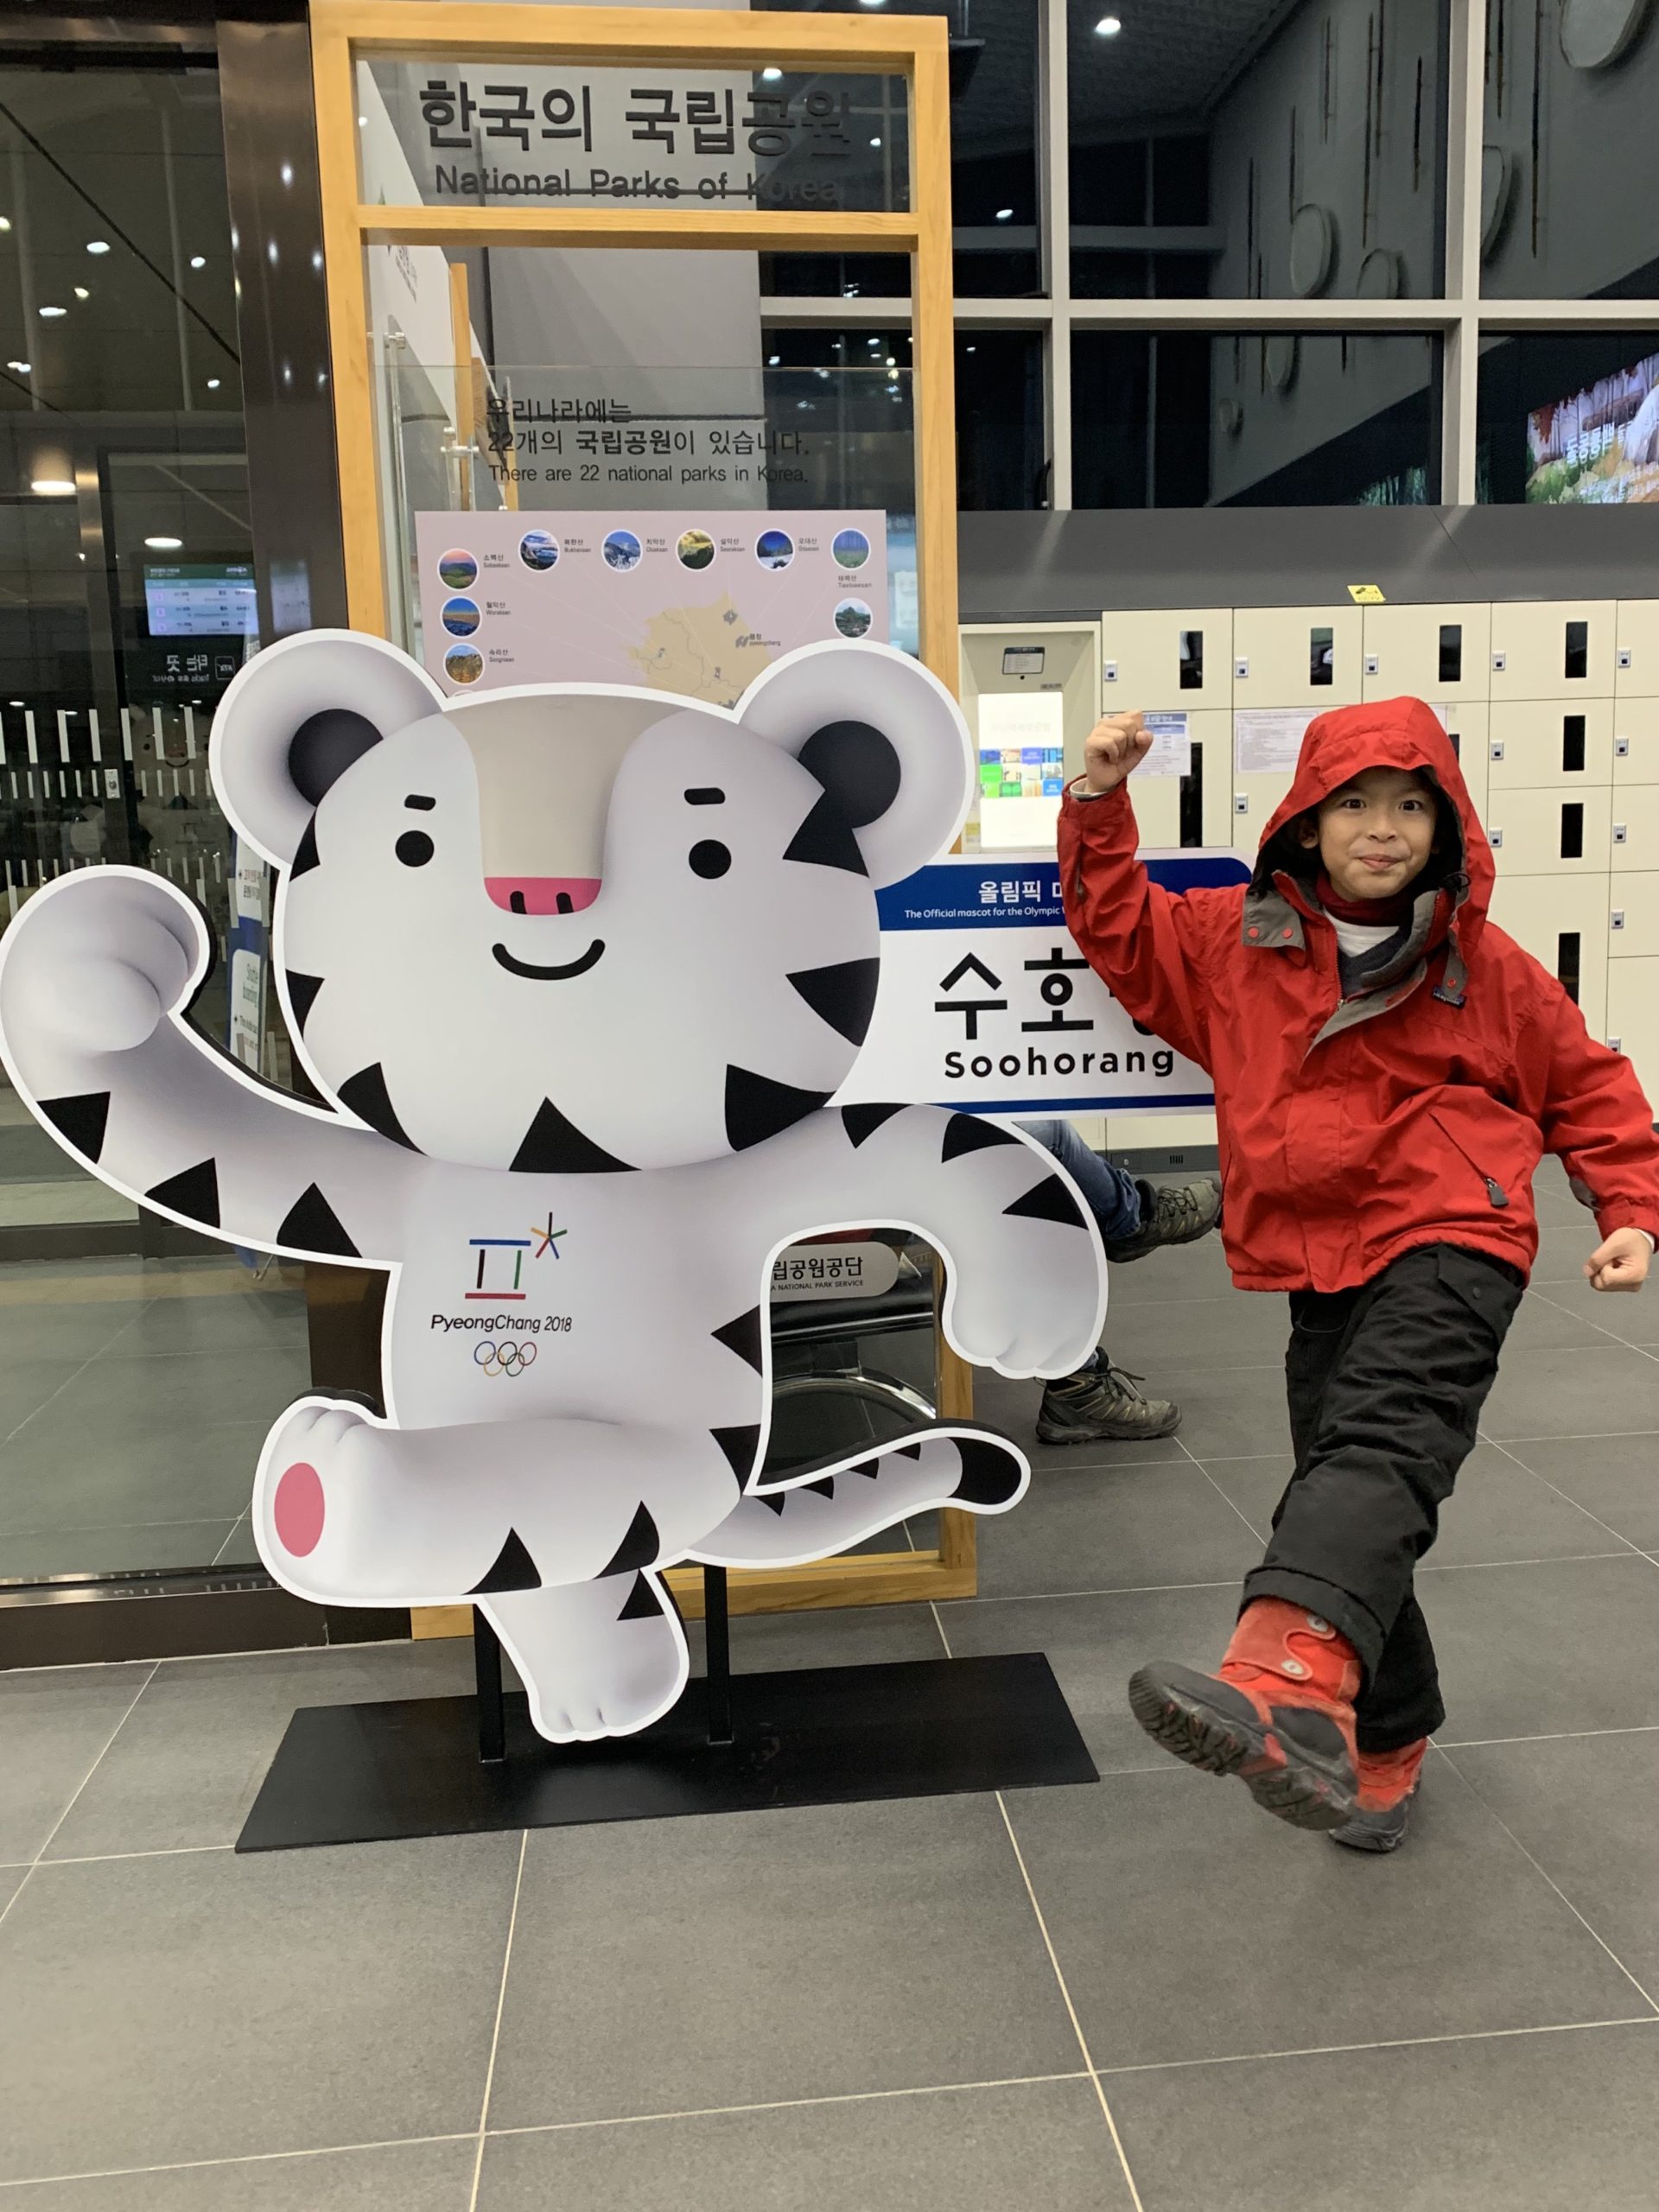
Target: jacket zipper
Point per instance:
(1495, 1193)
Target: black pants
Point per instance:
(1386, 1384)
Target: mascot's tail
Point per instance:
(822, 1510)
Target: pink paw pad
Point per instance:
(298, 1509)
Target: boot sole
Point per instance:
(1172, 1705)
(1048, 1433)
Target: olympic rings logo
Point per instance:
(509, 1358)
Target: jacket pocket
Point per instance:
(1496, 1195)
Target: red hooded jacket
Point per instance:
(1352, 1130)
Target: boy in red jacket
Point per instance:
(1388, 1070)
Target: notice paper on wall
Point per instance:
(1266, 741)
(1171, 746)
(694, 602)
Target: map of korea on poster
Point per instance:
(688, 601)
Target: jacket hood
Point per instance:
(1385, 734)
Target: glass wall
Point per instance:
(139, 1365)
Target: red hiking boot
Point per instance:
(1387, 1783)
(1280, 1714)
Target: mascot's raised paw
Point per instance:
(98, 959)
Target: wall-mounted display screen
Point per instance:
(1601, 447)
(213, 598)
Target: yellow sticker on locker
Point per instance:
(1367, 595)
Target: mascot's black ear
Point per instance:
(296, 718)
(856, 765)
(884, 738)
(324, 746)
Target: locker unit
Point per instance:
(1437, 653)
(1564, 926)
(1633, 1014)
(1467, 726)
(1535, 744)
(1551, 832)
(1636, 740)
(1053, 660)
(1633, 923)
(1552, 648)
(1297, 655)
(1636, 649)
(1255, 796)
(1634, 841)
(1183, 658)
(1211, 730)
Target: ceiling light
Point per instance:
(773, 359)
(22, 367)
(973, 349)
(198, 261)
(81, 292)
(53, 487)
(5, 222)
(872, 4)
(875, 141)
(362, 122)
(1108, 27)
(213, 384)
(14, 703)
(1005, 214)
(892, 361)
(164, 544)
(50, 312)
(771, 76)
(98, 245)
(287, 172)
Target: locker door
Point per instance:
(1633, 1017)
(1636, 652)
(1296, 655)
(1157, 808)
(1254, 798)
(1466, 725)
(1212, 737)
(1437, 653)
(1636, 828)
(1636, 742)
(1195, 809)
(1549, 833)
(1633, 926)
(1165, 661)
(1562, 922)
(1538, 744)
(1552, 649)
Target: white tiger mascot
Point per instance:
(578, 969)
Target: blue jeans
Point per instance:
(1112, 1196)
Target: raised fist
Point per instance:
(96, 960)
(1116, 745)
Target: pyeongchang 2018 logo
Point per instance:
(498, 1263)
(511, 1358)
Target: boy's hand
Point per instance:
(1116, 744)
(1621, 1263)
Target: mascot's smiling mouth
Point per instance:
(550, 974)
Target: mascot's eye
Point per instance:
(414, 849)
(709, 858)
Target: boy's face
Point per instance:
(1375, 834)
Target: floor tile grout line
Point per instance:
(1588, 1926)
(1386, 2043)
(75, 1798)
(1550, 1736)
(1497, 1444)
(1580, 1436)
(1072, 2009)
(1222, 1494)
(235, 2158)
(51, 1398)
(1611, 1335)
(786, 2104)
(495, 2033)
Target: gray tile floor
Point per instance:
(1141, 1993)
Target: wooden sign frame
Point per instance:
(915, 47)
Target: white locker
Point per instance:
(1466, 725)
(1636, 656)
(1562, 922)
(1255, 800)
(1297, 655)
(1633, 1017)
(1211, 729)
(1551, 832)
(1633, 925)
(1552, 649)
(1175, 1133)
(1636, 740)
(1635, 844)
(1537, 743)
(1437, 653)
(1157, 808)
(1184, 658)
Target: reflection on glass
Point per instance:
(1570, 418)
(1254, 151)
(1181, 419)
(1570, 161)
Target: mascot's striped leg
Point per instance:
(820, 1512)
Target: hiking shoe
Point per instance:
(1171, 1213)
(1280, 1715)
(1100, 1403)
(1387, 1785)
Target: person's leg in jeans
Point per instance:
(1101, 1403)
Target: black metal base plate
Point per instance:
(825, 1736)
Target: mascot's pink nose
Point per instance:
(543, 894)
